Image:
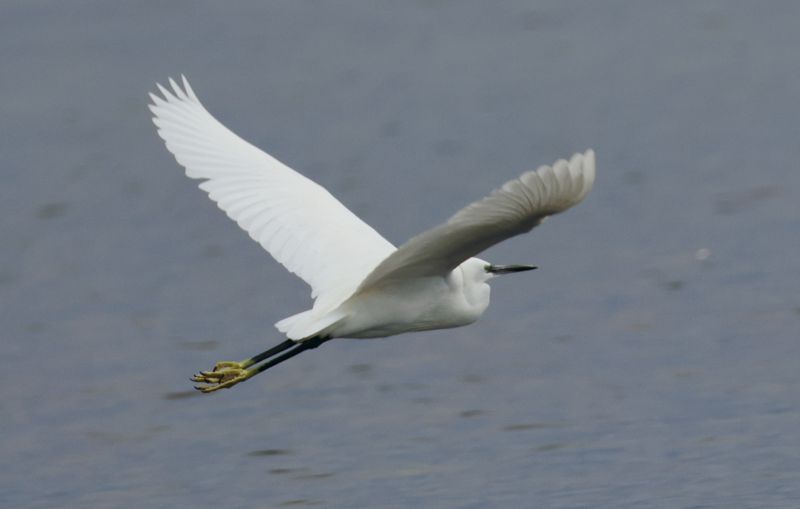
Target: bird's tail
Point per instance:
(306, 325)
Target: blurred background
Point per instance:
(652, 361)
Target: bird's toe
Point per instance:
(223, 376)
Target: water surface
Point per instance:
(652, 361)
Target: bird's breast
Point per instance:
(415, 305)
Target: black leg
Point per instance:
(301, 347)
(275, 350)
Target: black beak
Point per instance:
(507, 269)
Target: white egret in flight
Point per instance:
(362, 285)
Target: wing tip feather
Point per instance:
(177, 92)
(589, 171)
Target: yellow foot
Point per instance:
(225, 375)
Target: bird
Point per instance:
(362, 286)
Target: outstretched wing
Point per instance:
(511, 210)
(295, 219)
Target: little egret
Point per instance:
(362, 286)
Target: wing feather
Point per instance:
(296, 220)
(515, 208)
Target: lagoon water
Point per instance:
(652, 362)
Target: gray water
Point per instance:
(652, 362)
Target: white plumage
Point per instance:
(296, 220)
(361, 284)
